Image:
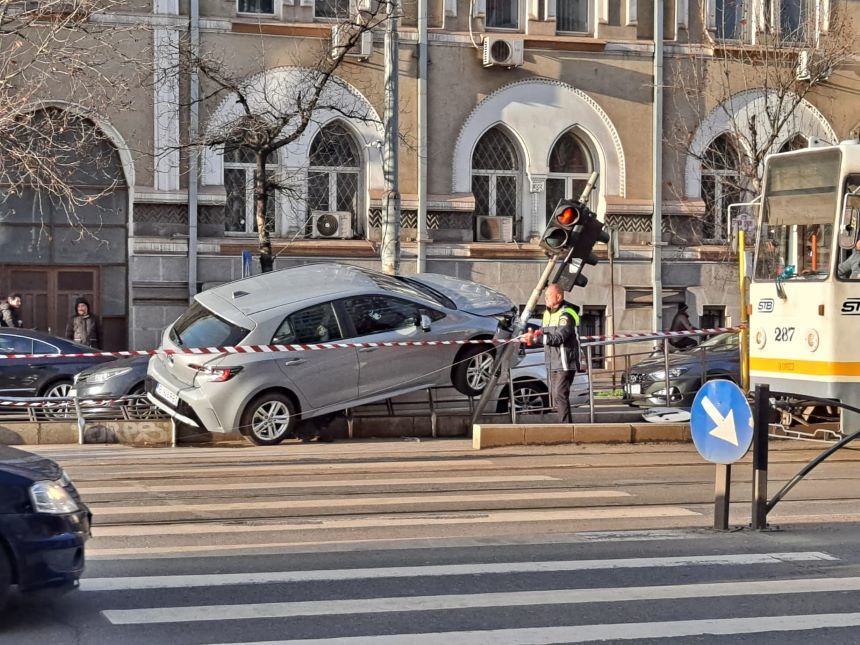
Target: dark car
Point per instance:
(119, 378)
(50, 377)
(43, 525)
(717, 357)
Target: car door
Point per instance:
(325, 377)
(17, 374)
(381, 318)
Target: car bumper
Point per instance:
(48, 549)
(191, 405)
(649, 393)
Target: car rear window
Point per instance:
(200, 327)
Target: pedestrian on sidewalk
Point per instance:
(84, 325)
(681, 322)
(560, 338)
(10, 312)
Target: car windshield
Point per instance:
(407, 287)
(721, 342)
(199, 327)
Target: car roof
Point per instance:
(319, 281)
(43, 336)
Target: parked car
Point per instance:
(716, 357)
(119, 378)
(43, 525)
(531, 386)
(48, 377)
(263, 395)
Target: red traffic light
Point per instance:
(568, 217)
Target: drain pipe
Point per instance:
(421, 240)
(193, 128)
(657, 175)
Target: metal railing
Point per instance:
(33, 409)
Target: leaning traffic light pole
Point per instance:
(560, 237)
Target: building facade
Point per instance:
(526, 98)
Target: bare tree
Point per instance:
(55, 53)
(267, 112)
(783, 60)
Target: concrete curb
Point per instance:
(143, 433)
(498, 435)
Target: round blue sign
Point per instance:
(721, 422)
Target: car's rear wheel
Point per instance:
(269, 419)
(472, 369)
(529, 396)
(5, 577)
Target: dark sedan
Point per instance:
(43, 525)
(717, 357)
(119, 378)
(49, 377)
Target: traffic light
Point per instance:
(589, 232)
(562, 230)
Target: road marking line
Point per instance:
(590, 633)
(319, 483)
(226, 579)
(642, 535)
(316, 523)
(342, 502)
(474, 601)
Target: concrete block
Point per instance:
(384, 427)
(602, 433)
(495, 436)
(58, 432)
(643, 432)
(452, 426)
(100, 432)
(421, 427)
(547, 435)
(143, 434)
(19, 433)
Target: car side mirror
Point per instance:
(848, 224)
(425, 322)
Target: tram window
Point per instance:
(849, 234)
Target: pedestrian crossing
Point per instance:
(537, 601)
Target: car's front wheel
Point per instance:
(472, 369)
(269, 419)
(59, 390)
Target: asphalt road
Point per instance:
(433, 543)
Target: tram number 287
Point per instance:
(783, 334)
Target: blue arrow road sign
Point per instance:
(721, 422)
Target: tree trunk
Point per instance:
(261, 199)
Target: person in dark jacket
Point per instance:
(10, 311)
(681, 322)
(83, 327)
(560, 338)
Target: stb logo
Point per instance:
(851, 307)
(765, 306)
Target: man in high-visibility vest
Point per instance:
(560, 338)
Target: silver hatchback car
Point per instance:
(263, 395)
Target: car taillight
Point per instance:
(215, 374)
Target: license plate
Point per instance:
(166, 394)
(635, 388)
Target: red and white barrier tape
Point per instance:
(307, 347)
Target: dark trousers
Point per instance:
(560, 381)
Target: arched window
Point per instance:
(569, 168)
(495, 175)
(721, 186)
(797, 142)
(333, 175)
(239, 173)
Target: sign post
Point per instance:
(721, 423)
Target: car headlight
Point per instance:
(106, 375)
(674, 372)
(50, 497)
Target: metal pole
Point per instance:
(666, 371)
(193, 128)
(511, 399)
(745, 334)
(421, 237)
(609, 350)
(590, 384)
(391, 217)
(657, 174)
(761, 412)
(722, 496)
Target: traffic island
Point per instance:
(499, 435)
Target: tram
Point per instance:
(804, 327)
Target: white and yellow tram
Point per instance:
(805, 292)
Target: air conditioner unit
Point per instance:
(331, 224)
(502, 52)
(340, 35)
(495, 229)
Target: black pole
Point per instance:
(761, 414)
(722, 496)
